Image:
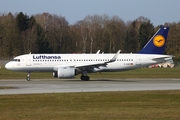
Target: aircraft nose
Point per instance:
(9, 66)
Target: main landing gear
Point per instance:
(28, 77)
(85, 78)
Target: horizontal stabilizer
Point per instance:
(167, 57)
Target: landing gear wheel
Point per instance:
(28, 79)
(85, 78)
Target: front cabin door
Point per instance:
(28, 60)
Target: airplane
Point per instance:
(69, 65)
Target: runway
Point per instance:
(37, 86)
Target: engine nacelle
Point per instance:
(55, 74)
(64, 72)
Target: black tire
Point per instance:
(85, 78)
(82, 77)
(28, 79)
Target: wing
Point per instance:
(90, 66)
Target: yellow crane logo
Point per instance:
(159, 40)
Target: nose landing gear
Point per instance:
(28, 77)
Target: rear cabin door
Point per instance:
(138, 60)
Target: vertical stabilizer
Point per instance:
(156, 44)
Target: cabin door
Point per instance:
(28, 60)
(138, 60)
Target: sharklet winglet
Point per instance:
(114, 57)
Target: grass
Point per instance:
(163, 105)
(138, 73)
(147, 105)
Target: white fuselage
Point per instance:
(50, 62)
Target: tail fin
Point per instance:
(156, 44)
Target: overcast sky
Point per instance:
(158, 11)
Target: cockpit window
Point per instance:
(16, 60)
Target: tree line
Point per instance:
(49, 33)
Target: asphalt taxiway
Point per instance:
(59, 86)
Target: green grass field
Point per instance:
(144, 105)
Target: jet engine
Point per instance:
(64, 72)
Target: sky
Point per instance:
(157, 11)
